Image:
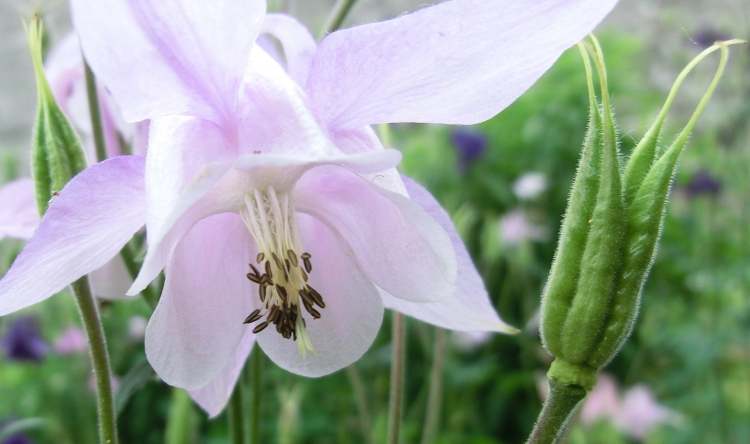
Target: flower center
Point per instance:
(282, 268)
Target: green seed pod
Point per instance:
(610, 234)
(646, 213)
(57, 154)
(563, 279)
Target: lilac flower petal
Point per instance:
(193, 177)
(187, 157)
(461, 62)
(197, 326)
(396, 244)
(351, 319)
(18, 213)
(469, 308)
(214, 397)
(86, 225)
(170, 56)
(297, 42)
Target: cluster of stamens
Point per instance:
(283, 315)
(280, 273)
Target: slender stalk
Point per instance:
(557, 411)
(398, 365)
(337, 17)
(435, 396)
(360, 399)
(236, 415)
(89, 310)
(256, 384)
(95, 113)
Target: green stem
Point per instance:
(360, 399)
(337, 17)
(435, 396)
(256, 383)
(557, 411)
(398, 344)
(236, 414)
(89, 310)
(95, 114)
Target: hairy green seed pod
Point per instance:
(646, 213)
(56, 154)
(563, 279)
(610, 234)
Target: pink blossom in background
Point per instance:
(635, 413)
(276, 165)
(640, 413)
(516, 228)
(71, 341)
(603, 402)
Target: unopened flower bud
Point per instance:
(57, 154)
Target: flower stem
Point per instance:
(256, 383)
(557, 411)
(435, 395)
(236, 414)
(337, 17)
(398, 344)
(360, 399)
(89, 310)
(95, 113)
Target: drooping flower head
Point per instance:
(267, 198)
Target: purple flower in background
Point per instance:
(18, 439)
(276, 214)
(23, 341)
(470, 145)
(708, 36)
(703, 183)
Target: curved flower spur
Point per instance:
(266, 196)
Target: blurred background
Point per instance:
(684, 377)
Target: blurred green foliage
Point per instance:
(690, 345)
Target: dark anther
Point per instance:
(260, 327)
(262, 293)
(254, 316)
(316, 296)
(306, 261)
(292, 257)
(255, 278)
(268, 271)
(260, 257)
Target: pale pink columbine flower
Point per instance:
(71, 341)
(530, 185)
(267, 198)
(19, 216)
